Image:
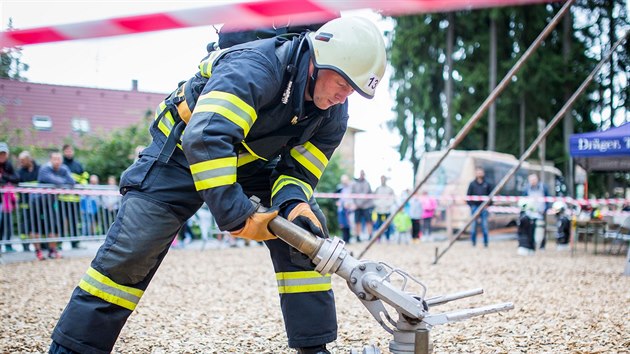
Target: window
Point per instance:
(80, 125)
(42, 123)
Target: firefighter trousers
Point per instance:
(157, 199)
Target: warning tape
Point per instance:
(497, 209)
(241, 15)
(568, 200)
(44, 190)
(84, 190)
(499, 198)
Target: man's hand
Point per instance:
(303, 216)
(257, 227)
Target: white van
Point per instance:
(449, 183)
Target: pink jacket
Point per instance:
(8, 200)
(429, 204)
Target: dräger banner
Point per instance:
(611, 142)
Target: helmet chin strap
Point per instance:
(292, 69)
(311, 84)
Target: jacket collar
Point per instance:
(297, 99)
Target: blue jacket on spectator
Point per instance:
(47, 174)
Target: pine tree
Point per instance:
(418, 57)
(11, 65)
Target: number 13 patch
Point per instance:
(372, 82)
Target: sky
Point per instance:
(159, 60)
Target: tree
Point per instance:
(418, 59)
(419, 79)
(11, 65)
(601, 23)
(110, 154)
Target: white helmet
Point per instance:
(354, 48)
(558, 206)
(526, 204)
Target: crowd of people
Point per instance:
(361, 211)
(32, 215)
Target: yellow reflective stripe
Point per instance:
(213, 164)
(299, 275)
(302, 282)
(106, 289)
(73, 198)
(285, 180)
(252, 151)
(112, 299)
(230, 106)
(161, 108)
(237, 101)
(205, 67)
(214, 173)
(105, 280)
(245, 158)
(167, 122)
(312, 158)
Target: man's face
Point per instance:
(25, 162)
(56, 160)
(68, 152)
(330, 89)
(479, 173)
(4, 157)
(533, 180)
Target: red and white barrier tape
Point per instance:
(39, 190)
(493, 209)
(241, 15)
(514, 199)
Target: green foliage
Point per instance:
(418, 56)
(111, 154)
(15, 138)
(328, 184)
(11, 65)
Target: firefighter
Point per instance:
(261, 119)
(69, 204)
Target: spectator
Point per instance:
(8, 176)
(203, 218)
(415, 213)
(30, 203)
(54, 172)
(537, 191)
(70, 203)
(75, 167)
(363, 206)
(345, 207)
(111, 202)
(89, 210)
(403, 225)
(429, 204)
(479, 187)
(383, 205)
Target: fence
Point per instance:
(33, 212)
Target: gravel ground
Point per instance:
(225, 301)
